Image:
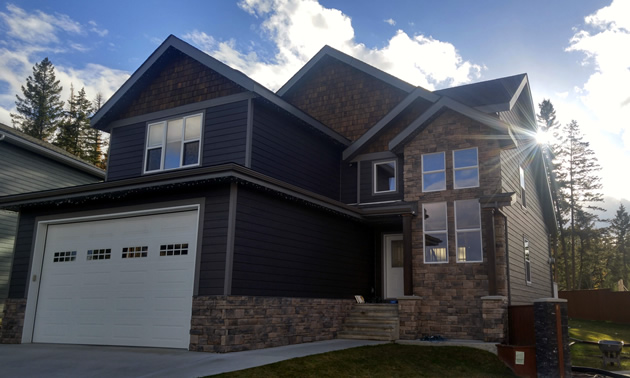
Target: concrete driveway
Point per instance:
(55, 360)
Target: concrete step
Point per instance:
(371, 321)
(383, 336)
(367, 327)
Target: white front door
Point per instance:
(393, 266)
(126, 281)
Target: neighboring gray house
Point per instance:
(30, 165)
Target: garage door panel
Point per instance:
(121, 299)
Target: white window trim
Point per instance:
(424, 247)
(527, 260)
(436, 171)
(522, 185)
(457, 230)
(163, 146)
(455, 186)
(376, 163)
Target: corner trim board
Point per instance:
(229, 250)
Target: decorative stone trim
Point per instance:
(494, 310)
(13, 321)
(236, 323)
(551, 325)
(409, 315)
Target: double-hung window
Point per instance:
(435, 229)
(465, 168)
(468, 231)
(433, 172)
(173, 143)
(385, 177)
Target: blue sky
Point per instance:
(575, 52)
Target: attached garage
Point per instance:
(123, 280)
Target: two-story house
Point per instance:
(27, 165)
(236, 218)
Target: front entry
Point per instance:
(393, 266)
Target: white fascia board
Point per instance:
(53, 155)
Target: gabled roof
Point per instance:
(45, 149)
(107, 113)
(490, 96)
(356, 63)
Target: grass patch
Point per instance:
(387, 360)
(590, 330)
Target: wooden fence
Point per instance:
(600, 305)
(521, 325)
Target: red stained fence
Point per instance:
(521, 325)
(603, 305)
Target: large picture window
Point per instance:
(433, 172)
(435, 229)
(385, 177)
(465, 168)
(173, 143)
(468, 231)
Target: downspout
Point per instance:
(507, 256)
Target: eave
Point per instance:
(236, 76)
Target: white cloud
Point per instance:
(390, 21)
(299, 29)
(38, 27)
(95, 29)
(604, 45)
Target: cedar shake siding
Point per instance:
(176, 80)
(288, 151)
(287, 249)
(344, 98)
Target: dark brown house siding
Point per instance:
(181, 81)
(287, 249)
(344, 98)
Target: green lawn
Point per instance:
(387, 360)
(589, 330)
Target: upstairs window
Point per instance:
(435, 229)
(468, 231)
(521, 172)
(465, 168)
(173, 143)
(433, 172)
(528, 268)
(385, 177)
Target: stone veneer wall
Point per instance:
(451, 293)
(409, 317)
(495, 318)
(235, 323)
(13, 321)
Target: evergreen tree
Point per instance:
(95, 143)
(620, 231)
(74, 129)
(576, 173)
(40, 110)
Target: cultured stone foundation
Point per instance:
(235, 323)
(409, 315)
(495, 313)
(13, 321)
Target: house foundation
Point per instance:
(13, 321)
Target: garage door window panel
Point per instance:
(65, 256)
(174, 249)
(99, 254)
(135, 252)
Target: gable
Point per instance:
(344, 98)
(175, 80)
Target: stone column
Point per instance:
(551, 326)
(494, 311)
(409, 317)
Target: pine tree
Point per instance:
(620, 231)
(40, 110)
(576, 173)
(95, 143)
(74, 129)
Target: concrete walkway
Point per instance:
(55, 360)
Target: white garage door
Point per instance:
(126, 281)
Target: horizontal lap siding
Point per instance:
(285, 249)
(22, 256)
(288, 151)
(349, 176)
(8, 224)
(225, 134)
(214, 242)
(126, 153)
(529, 222)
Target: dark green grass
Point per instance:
(589, 330)
(387, 360)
